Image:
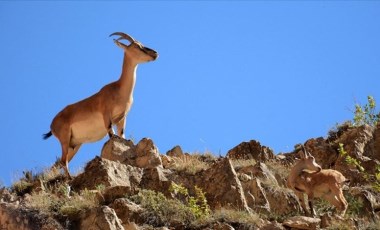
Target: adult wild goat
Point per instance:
(91, 119)
(308, 177)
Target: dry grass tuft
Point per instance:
(192, 164)
(241, 163)
(49, 203)
(236, 216)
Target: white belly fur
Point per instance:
(89, 130)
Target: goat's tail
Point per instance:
(47, 135)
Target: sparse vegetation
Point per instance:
(62, 205)
(197, 204)
(350, 160)
(160, 211)
(366, 114)
(241, 163)
(192, 164)
(236, 216)
(374, 178)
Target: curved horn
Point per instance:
(307, 154)
(125, 36)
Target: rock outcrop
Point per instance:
(125, 170)
(251, 150)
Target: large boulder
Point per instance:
(251, 150)
(128, 212)
(101, 218)
(13, 216)
(156, 179)
(108, 173)
(143, 155)
(222, 186)
(302, 222)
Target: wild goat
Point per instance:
(91, 119)
(308, 177)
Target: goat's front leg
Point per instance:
(310, 199)
(301, 199)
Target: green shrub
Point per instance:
(197, 204)
(160, 211)
(366, 114)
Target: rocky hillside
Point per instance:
(134, 186)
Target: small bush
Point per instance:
(160, 211)
(50, 203)
(22, 187)
(197, 204)
(366, 114)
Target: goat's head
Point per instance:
(135, 49)
(308, 162)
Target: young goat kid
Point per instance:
(308, 177)
(91, 119)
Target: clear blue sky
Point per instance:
(278, 72)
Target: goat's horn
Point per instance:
(125, 36)
(305, 152)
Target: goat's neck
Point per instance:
(295, 172)
(128, 77)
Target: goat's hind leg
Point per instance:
(121, 127)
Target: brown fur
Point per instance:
(325, 183)
(89, 120)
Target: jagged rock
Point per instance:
(281, 201)
(251, 150)
(114, 192)
(221, 226)
(259, 170)
(7, 196)
(355, 141)
(101, 218)
(155, 179)
(147, 155)
(175, 152)
(128, 212)
(222, 186)
(335, 222)
(370, 203)
(166, 161)
(143, 155)
(325, 154)
(255, 196)
(108, 173)
(302, 222)
(118, 149)
(273, 226)
(376, 143)
(14, 217)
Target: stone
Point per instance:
(14, 217)
(302, 222)
(147, 155)
(128, 212)
(101, 171)
(156, 179)
(256, 196)
(101, 218)
(259, 170)
(117, 149)
(143, 155)
(175, 152)
(251, 150)
(222, 186)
